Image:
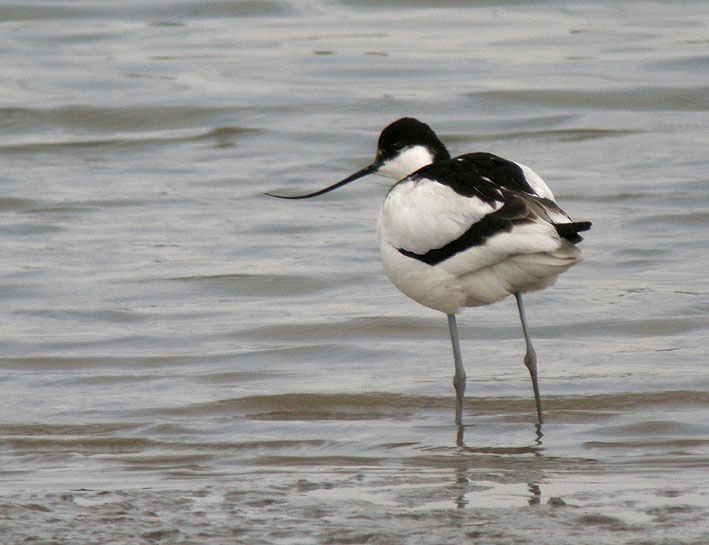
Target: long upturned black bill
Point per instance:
(359, 174)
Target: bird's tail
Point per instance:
(570, 231)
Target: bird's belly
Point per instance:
(428, 285)
(450, 286)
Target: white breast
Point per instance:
(422, 215)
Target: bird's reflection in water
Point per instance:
(463, 475)
(462, 482)
(536, 494)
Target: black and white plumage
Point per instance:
(465, 231)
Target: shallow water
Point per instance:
(185, 360)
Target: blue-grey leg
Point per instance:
(459, 377)
(530, 358)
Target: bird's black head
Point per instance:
(409, 132)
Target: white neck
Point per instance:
(408, 161)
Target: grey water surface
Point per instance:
(185, 360)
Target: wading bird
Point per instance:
(465, 231)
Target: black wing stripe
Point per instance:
(502, 172)
(501, 221)
(516, 211)
(463, 177)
